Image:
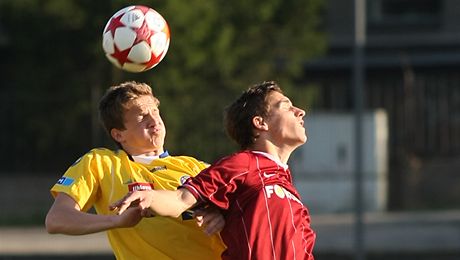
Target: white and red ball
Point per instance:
(136, 38)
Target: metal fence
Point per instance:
(423, 108)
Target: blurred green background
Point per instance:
(53, 72)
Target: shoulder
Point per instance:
(241, 159)
(184, 158)
(102, 154)
(186, 164)
(101, 150)
(241, 156)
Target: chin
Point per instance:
(303, 139)
(300, 142)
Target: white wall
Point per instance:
(323, 168)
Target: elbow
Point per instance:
(176, 214)
(51, 225)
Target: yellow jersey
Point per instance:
(103, 176)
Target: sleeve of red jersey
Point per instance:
(218, 183)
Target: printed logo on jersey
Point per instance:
(158, 168)
(65, 181)
(280, 192)
(137, 186)
(269, 175)
(183, 179)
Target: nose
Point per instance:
(153, 119)
(300, 112)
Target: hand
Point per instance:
(129, 218)
(136, 199)
(211, 219)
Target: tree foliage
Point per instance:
(53, 71)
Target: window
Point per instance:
(403, 15)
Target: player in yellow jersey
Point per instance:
(130, 114)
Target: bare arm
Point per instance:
(65, 217)
(165, 203)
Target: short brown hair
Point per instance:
(112, 105)
(239, 115)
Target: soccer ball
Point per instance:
(136, 38)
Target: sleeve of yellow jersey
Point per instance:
(80, 181)
(197, 165)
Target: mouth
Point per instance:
(155, 131)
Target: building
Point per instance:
(412, 59)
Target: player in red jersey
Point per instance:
(265, 218)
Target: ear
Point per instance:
(259, 123)
(116, 135)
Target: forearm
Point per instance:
(66, 217)
(171, 203)
(165, 203)
(72, 222)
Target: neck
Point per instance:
(281, 153)
(155, 152)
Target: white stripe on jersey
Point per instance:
(266, 206)
(245, 229)
(293, 248)
(196, 191)
(292, 222)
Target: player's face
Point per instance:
(145, 131)
(285, 121)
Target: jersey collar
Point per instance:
(271, 157)
(163, 155)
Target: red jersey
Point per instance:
(265, 218)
